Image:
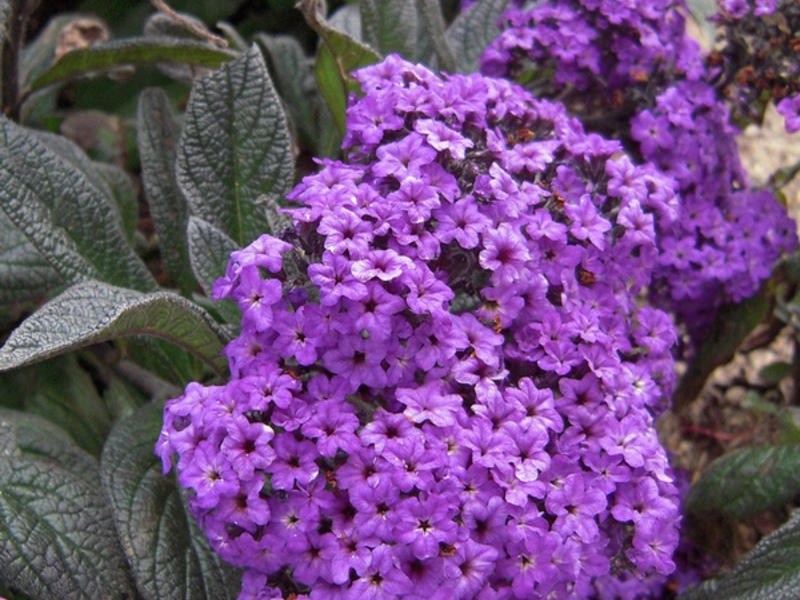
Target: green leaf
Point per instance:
(235, 156)
(434, 30)
(123, 193)
(770, 571)
(60, 391)
(338, 55)
(168, 553)
(24, 273)
(40, 438)
(473, 30)
(294, 80)
(732, 325)
(115, 186)
(93, 312)
(121, 398)
(747, 482)
(38, 55)
(391, 26)
(102, 58)
(210, 249)
(57, 536)
(69, 222)
(167, 361)
(158, 135)
(773, 373)
(162, 25)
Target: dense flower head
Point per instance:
(600, 56)
(647, 84)
(453, 394)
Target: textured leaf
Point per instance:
(770, 571)
(732, 325)
(111, 182)
(747, 482)
(92, 312)
(57, 536)
(338, 55)
(210, 250)
(71, 224)
(158, 135)
(294, 79)
(391, 26)
(235, 151)
(40, 438)
(168, 553)
(433, 26)
(123, 193)
(132, 51)
(24, 273)
(473, 30)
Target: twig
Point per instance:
(198, 31)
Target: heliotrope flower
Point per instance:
(633, 72)
(457, 398)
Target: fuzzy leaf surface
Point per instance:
(39, 438)
(57, 537)
(210, 249)
(473, 30)
(158, 135)
(24, 273)
(391, 26)
(294, 80)
(235, 158)
(93, 312)
(70, 223)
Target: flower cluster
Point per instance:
(635, 74)
(727, 237)
(444, 386)
(757, 61)
(599, 57)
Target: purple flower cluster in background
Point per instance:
(759, 59)
(444, 387)
(634, 73)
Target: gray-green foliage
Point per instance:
(158, 134)
(70, 243)
(472, 31)
(56, 533)
(67, 220)
(91, 312)
(747, 482)
(235, 158)
(209, 250)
